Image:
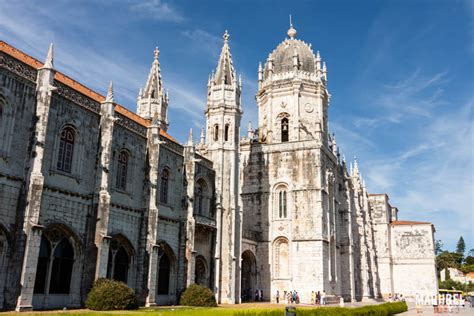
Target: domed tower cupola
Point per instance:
(292, 96)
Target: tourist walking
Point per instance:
(323, 298)
(277, 297)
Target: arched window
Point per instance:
(62, 268)
(66, 149)
(282, 204)
(164, 274)
(284, 130)
(164, 186)
(200, 274)
(216, 132)
(122, 166)
(55, 263)
(119, 261)
(226, 132)
(42, 268)
(200, 198)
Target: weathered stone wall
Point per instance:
(414, 269)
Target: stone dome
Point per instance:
(282, 57)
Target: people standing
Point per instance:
(313, 297)
(323, 298)
(318, 298)
(277, 297)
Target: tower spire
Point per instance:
(225, 72)
(152, 99)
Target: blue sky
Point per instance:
(401, 75)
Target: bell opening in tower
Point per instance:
(284, 130)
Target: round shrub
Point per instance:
(198, 295)
(107, 295)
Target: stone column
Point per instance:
(153, 147)
(102, 239)
(28, 274)
(189, 160)
(34, 183)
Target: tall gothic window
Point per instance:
(55, 263)
(164, 186)
(66, 149)
(216, 132)
(284, 130)
(122, 166)
(118, 262)
(282, 204)
(226, 132)
(199, 199)
(164, 274)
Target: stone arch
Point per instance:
(281, 258)
(167, 272)
(58, 272)
(248, 278)
(201, 274)
(120, 259)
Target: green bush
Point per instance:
(198, 295)
(107, 295)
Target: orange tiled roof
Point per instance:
(409, 223)
(73, 84)
(470, 275)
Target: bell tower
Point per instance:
(223, 115)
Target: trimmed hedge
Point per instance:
(385, 309)
(198, 295)
(107, 295)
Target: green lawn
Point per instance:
(236, 310)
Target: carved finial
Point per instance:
(291, 31)
(110, 93)
(156, 53)
(48, 63)
(226, 36)
(190, 138)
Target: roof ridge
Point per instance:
(76, 85)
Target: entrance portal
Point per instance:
(249, 276)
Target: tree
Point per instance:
(461, 246)
(447, 259)
(438, 247)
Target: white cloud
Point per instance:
(206, 42)
(156, 10)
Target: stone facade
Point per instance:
(89, 189)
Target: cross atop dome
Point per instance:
(291, 31)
